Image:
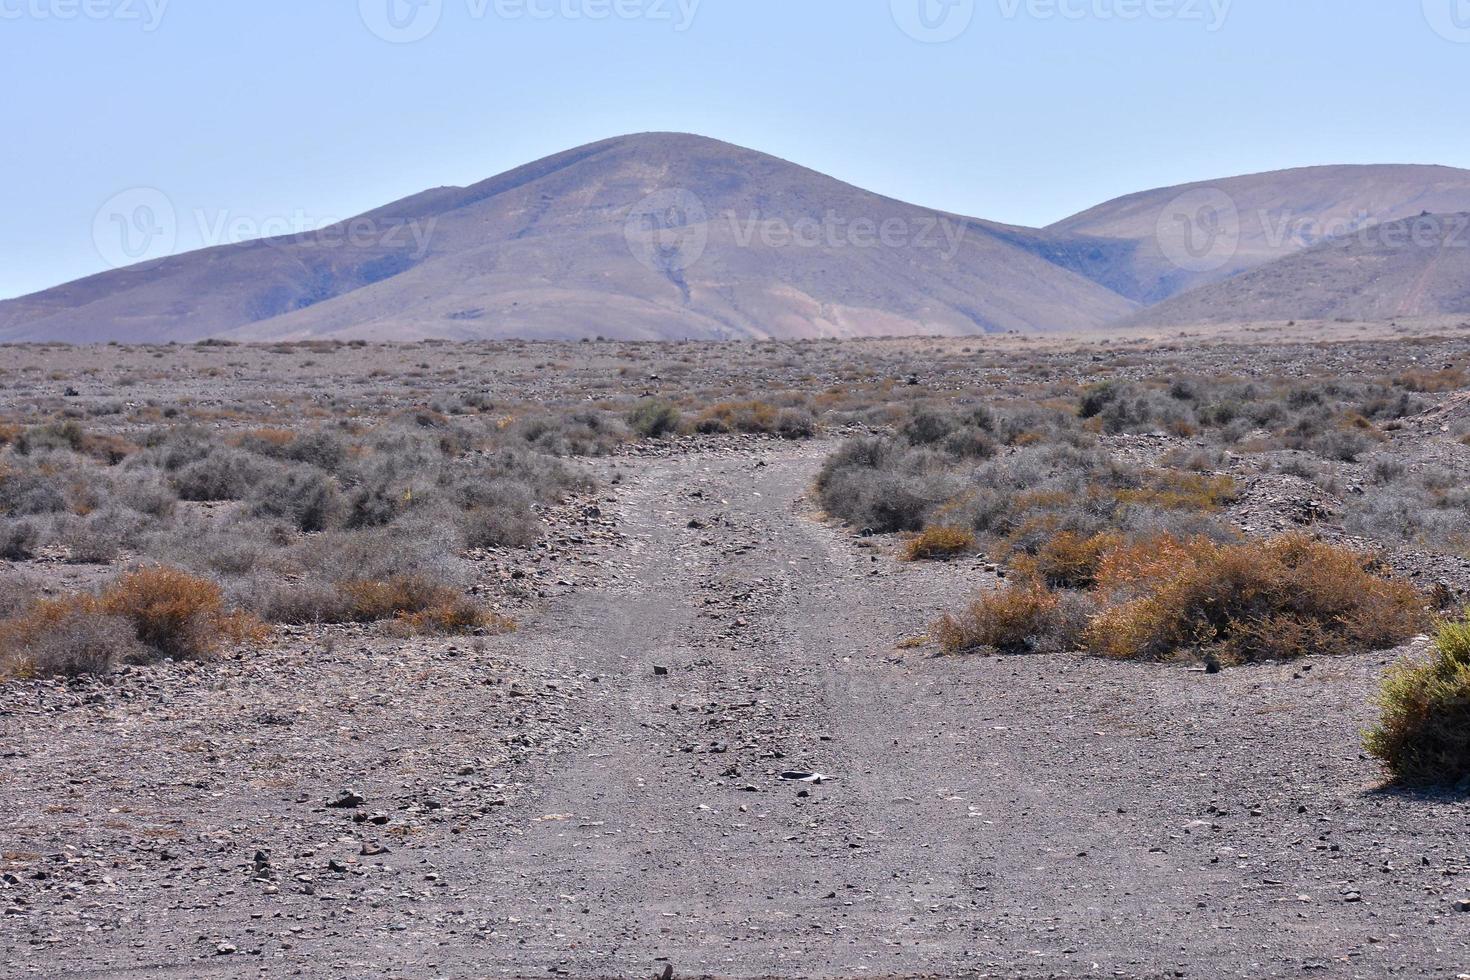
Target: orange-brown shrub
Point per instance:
(110, 449)
(1021, 616)
(177, 614)
(151, 613)
(266, 439)
(1134, 566)
(1433, 382)
(1265, 600)
(67, 637)
(939, 544)
(1068, 560)
(417, 605)
(1181, 490)
(748, 416)
(8, 434)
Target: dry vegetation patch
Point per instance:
(1165, 597)
(939, 544)
(1264, 600)
(148, 614)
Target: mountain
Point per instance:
(650, 236)
(1181, 237)
(1414, 267)
(664, 236)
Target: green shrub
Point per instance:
(1423, 736)
(652, 419)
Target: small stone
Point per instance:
(347, 800)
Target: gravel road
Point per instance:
(601, 794)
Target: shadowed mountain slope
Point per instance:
(1414, 267)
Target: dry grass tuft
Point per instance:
(1423, 736)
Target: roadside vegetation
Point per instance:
(1423, 737)
(376, 502)
(1126, 512)
(1163, 597)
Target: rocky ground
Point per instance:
(607, 792)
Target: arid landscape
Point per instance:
(607, 659)
(666, 490)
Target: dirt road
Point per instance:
(1031, 816)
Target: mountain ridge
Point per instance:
(674, 235)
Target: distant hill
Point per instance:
(757, 247)
(1414, 267)
(1271, 215)
(668, 236)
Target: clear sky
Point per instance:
(266, 115)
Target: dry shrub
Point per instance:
(110, 449)
(9, 434)
(152, 613)
(417, 604)
(177, 614)
(1423, 736)
(1272, 600)
(1069, 560)
(264, 440)
(67, 637)
(1023, 616)
(751, 416)
(939, 544)
(1132, 567)
(18, 540)
(1179, 490)
(1432, 382)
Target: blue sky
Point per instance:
(261, 116)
